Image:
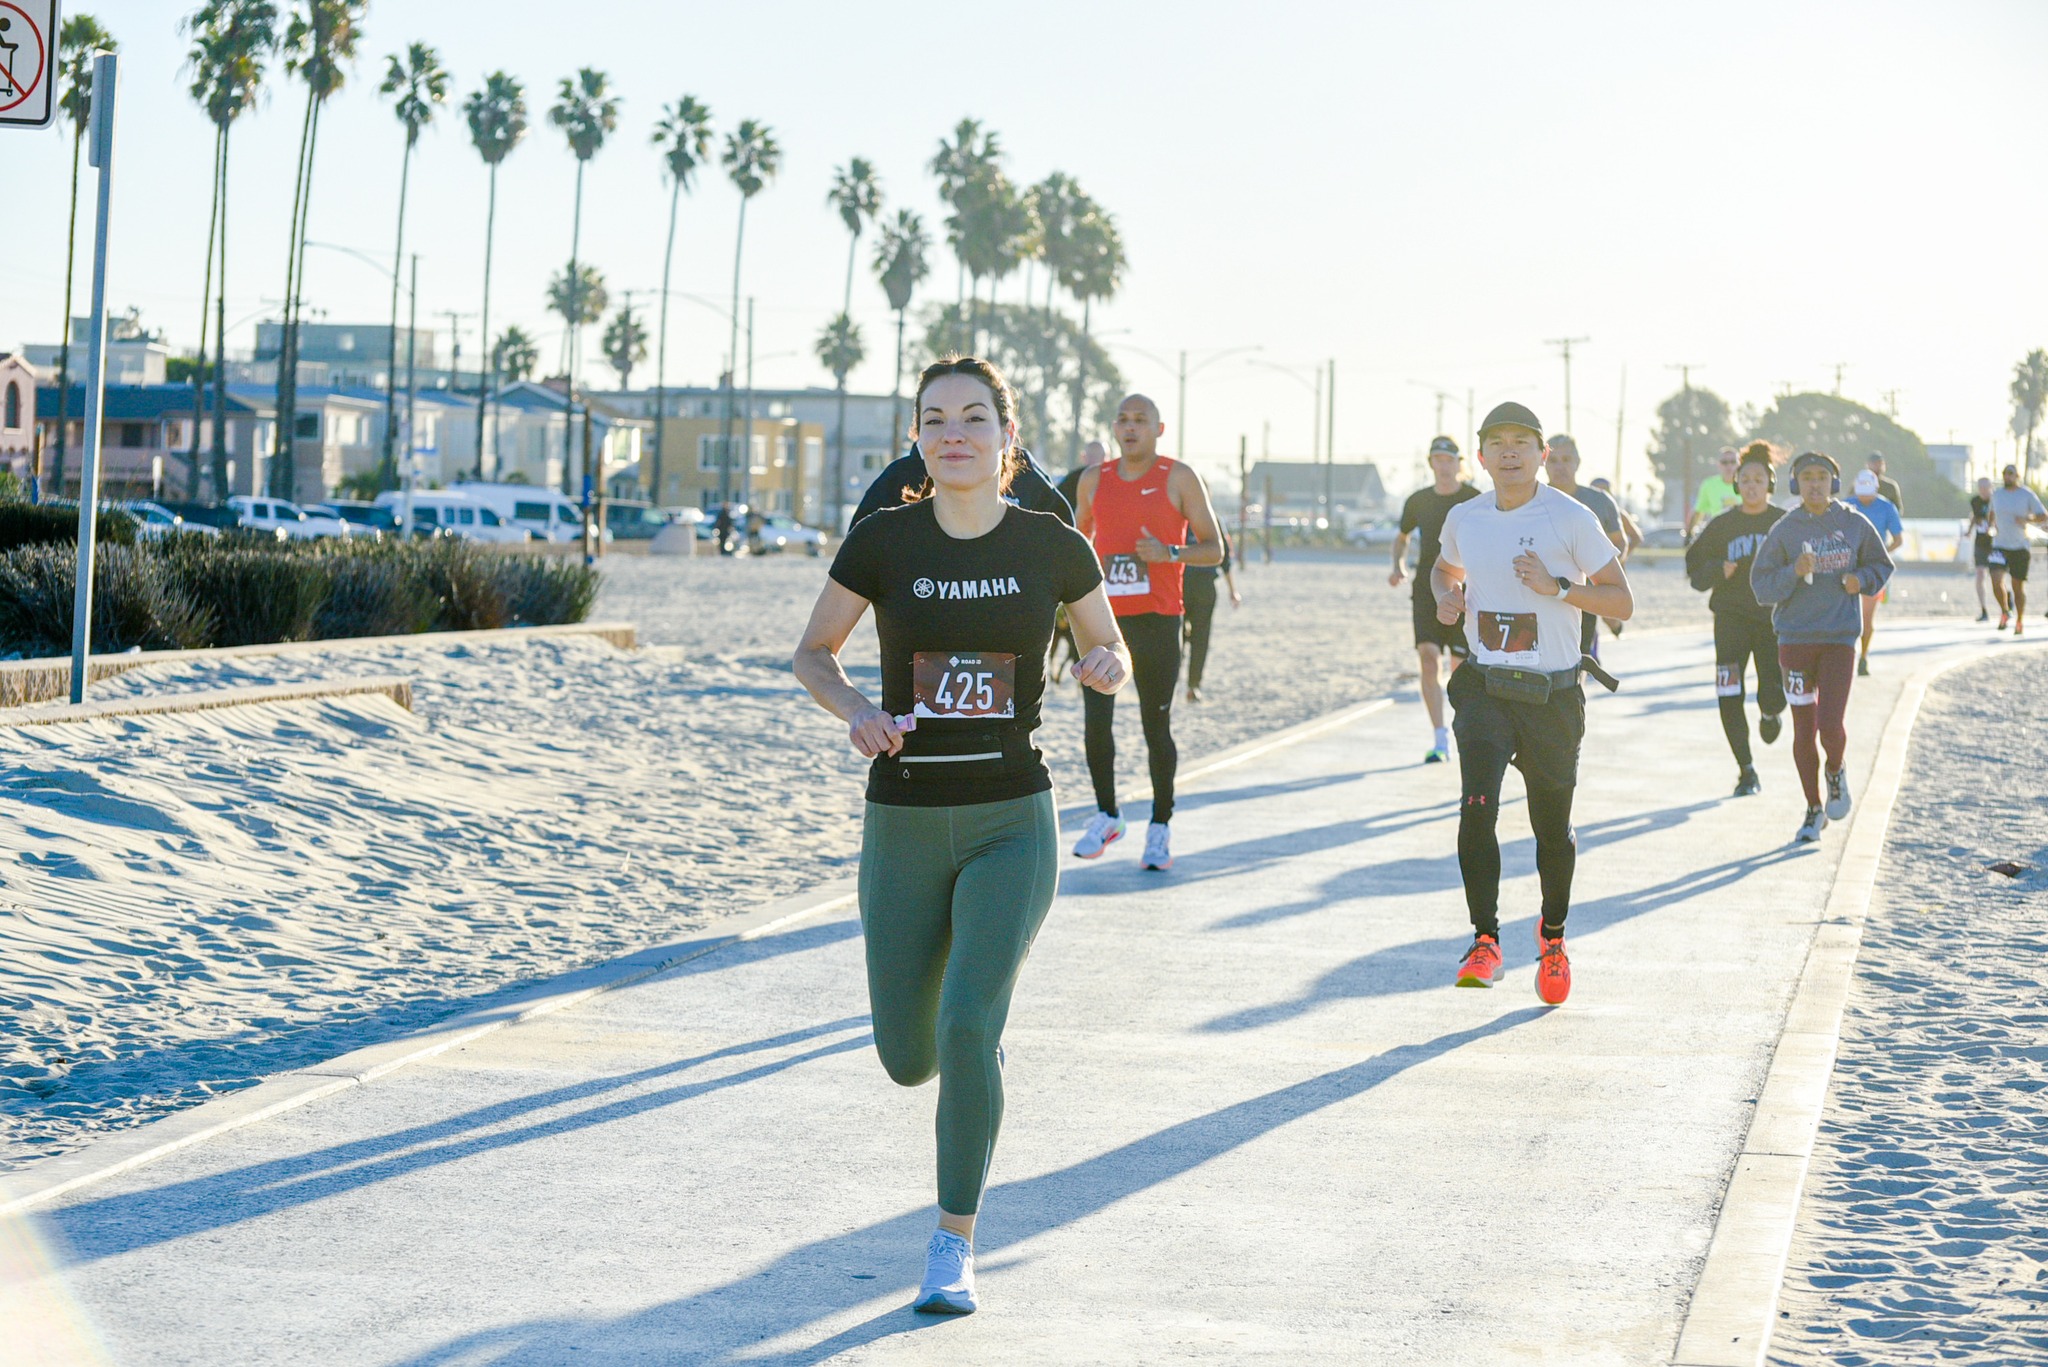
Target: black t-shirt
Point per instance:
(947, 612)
(1030, 489)
(1980, 519)
(1070, 485)
(1734, 535)
(1210, 571)
(1427, 509)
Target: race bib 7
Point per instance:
(1728, 681)
(962, 685)
(1512, 634)
(1126, 577)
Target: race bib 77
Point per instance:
(963, 685)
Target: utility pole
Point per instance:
(1244, 489)
(1315, 426)
(1471, 416)
(1180, 415)
(412, 392)
(1330, 452)
(747, 444)
(1620, 410)
(455, 317)
(1840, 366)
(1891, 403)
(1565, 345)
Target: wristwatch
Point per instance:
(1173, 554)
(1564, 586)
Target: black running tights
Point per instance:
(1557, 854)
(1154, 639)
(1738, 640)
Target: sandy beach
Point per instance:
(1924, 1233)
(191, 903)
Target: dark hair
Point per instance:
(1761, 451)
(1006, 413)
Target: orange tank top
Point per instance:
(1123, 510)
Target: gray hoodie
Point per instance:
(1823, 612)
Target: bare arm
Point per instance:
(816, 663)
(1105, 662)
(1084, 502)
(1190, 496)
(1447, 582)
(1400, 560)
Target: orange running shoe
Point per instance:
(1482, 962)
(1553, 969)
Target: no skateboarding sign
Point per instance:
(28, 63)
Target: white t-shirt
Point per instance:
(1506, 622)
(2008, 506)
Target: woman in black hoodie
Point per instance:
(1718, 563)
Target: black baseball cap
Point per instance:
(1445, 445)
(1806, 458)
(1511, 415)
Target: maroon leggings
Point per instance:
(1817, 680)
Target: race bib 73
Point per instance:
(963, 685)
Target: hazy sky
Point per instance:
(1425, 193)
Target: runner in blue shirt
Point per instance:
(1891, 529)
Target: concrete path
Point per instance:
(1248, 1119)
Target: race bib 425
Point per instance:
(959, 685)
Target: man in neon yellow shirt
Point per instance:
(1717, 494)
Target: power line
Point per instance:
(1565, 345)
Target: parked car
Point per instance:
(632, 519)
(781, 532)
(364, 517)
(1664, 536)
(550, 516)
(153, 521)
(1379, 532)
(281, 515)
(456, 513)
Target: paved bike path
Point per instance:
(1248, 1119)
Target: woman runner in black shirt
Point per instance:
(959, 853)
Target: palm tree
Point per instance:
(839, 350)
(1095, 271)
(77, 41)
(751, 159)
(421, 84)
(585, 303)
(625, 343)
(857, 194)
(587, 113)
(319, 42)
(231, 38)
(2029, 399)
(515, 355)
(958, 164)
(1055, 203)
(684, 137)
(901, 264)
(497, 121)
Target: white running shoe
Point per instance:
(1103, 830)
(1158, 847)
(948, 1276)
(1838, 793)
(1810, 829)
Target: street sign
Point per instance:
(28, 63)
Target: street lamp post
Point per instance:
(1181, 373)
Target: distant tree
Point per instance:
(2029, 398)
(972, 154)
(587, 113)
(625, 343)
(857, 194)
(496, 116)
(81, 37)
(901, 264)
(420, 83)
(515, 355)
(583, 304)
(1094, 270)
(752, 157)
(684, 136)
(1849, 432)
(1692, 426)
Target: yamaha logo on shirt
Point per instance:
(948, 589)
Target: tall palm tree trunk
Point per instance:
(205, 300)
(64, 337)
(675, 200)
(488, 371)
(286, 386)
(1080, 386)
(896, 390)
(733, 362)
(220, 341)
(387, 468)
(574, 318)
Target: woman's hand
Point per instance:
(1728, 568)
(1852, 583)
(1101, 669)
(1804, 565)
(874, 732)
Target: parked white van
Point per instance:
(285, 518)
(455, 513)
(549, 515)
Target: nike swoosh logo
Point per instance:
(1143, 492)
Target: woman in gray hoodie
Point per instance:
(1813, 569)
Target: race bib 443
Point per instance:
(1126, 577)
(963, 685)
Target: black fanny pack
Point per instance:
(977, 752)
(1536, 686)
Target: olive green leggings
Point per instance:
(950, 900)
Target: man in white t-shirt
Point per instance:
(1522, 564)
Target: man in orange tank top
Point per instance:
(1139, 511)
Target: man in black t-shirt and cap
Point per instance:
(1435, 641)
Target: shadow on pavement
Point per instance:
(832, 1275)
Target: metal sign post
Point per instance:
(105, 75)
(28, 63)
